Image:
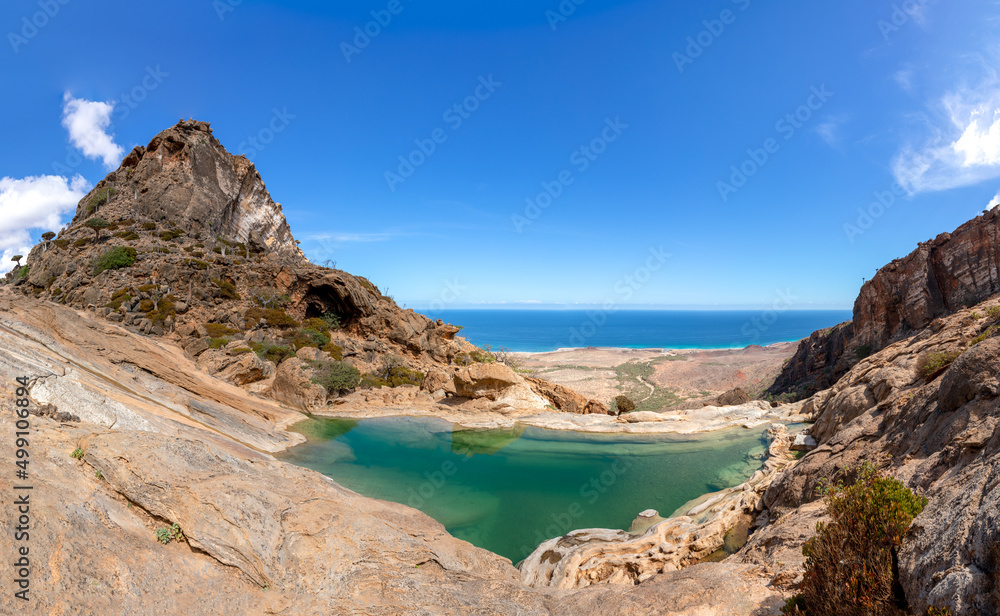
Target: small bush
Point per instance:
(77, 453)
(22, 272)
(147, 305)
(975, 316)
(116, 258)
(370, 381)
(241, 351)
(272, 352)
(128, 236)
(169, 236)
(276, 317)
(99, 199)
(120, 297)
(80, 242)
(61, 243)
(992, 329)
(218, 330)
(864, 351)
(332, 320)
(149, 226)
(335, 351)
(850, 561)
(166, 535)
(934, 364)
(217, 343)
(462, 359)
(196, 264)
(227, 288)
(624, 404)
(317, 324)
(337, 376)
(310, 338)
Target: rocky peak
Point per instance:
(948, 273)
(186, 178)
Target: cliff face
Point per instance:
(185, 176)
(952, 271)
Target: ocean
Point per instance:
(532, 331)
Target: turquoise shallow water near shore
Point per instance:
(509, 490)
(548, 330)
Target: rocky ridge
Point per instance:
(948, 273)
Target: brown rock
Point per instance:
(565, 399)
(292, 386)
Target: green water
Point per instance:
(509, 490)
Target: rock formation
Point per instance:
(953, 271)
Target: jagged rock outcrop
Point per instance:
(565, 399)
(186, 177)
(951, 272)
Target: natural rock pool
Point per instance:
(509, 490)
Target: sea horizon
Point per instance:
(541, 330)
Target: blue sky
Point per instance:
(621, 118)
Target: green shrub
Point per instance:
(218, 330)
(309, 338)
(864, 351)
(22, 272)
(120, 297)
(146, 288)
(370, 381)
(993, 312)
(169, 236)
(462, 359)
(166, 535)
(165, 309)
(850, 561)
(217, 343)
(317, 324)
(335, 351)
(975, 316)
(992, 329)
(80, 242)
(276, 317)
(128, 236)
(116, 258)
(147, 305)
(624, 404)
(337, 376)
(272, 352)
(77, 453)
(483, 356)
(241, 351)
(61, 243)
(932, 364)
(196, 264)
(149, 226)
(332, 320)
(227, 288)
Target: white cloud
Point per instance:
(995, 201)
(87, 123)
(34, 202)
(963, 147)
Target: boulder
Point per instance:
(485, 380)
(565, 399)
(292, 386)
